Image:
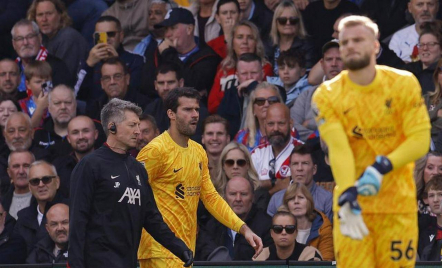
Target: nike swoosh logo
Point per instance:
(176, 170)
(114, 177)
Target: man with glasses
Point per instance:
(115, 81)
(284, 232)
(44, 183)
(27, 43)
(272, 159)
(88, 84)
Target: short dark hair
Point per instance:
(435, 183)
(292, 57)
(249, 57)
(214, 118)
(164, 68)
(284, 213)
(108, 18)
(171, 101)
(115, 61)
(223, 2)
(7, 97)
(151, 119)
(304, 150)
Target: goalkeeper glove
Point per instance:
(187, 258)
(350, 218)
(370, 182)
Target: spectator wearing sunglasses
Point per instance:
(89, 77)
(288, 32)
(43, 183)
(286, 247)
(272, 159)
(261, 98)
(239, 194)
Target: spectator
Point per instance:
(197, 62)
(430, 234)
(13, 246)
(429, 51)
(27, 42)
(148, 45)
(8, 106)
(404, 42)
(82, 134)
(261, 98)
(257, 13)
(272, 159)
(235, 161)
(239, 194)
(133, 15)
(292, 74)
(44, 183)
(10, 79)
(148, 131)
(115, 81)
(88, 86)
(303, 166)
(215, 137)
(206, 26)
(110, 183)
(38, 79)
(288, 32)
(59, 38)
(284, 233)
(168, 77)
(18, 135)
(227, 16)
(301, 112)
(314, 227)
(427, 167)
(319, 17)
(53, 248)
(19, 195)
(433, 100)
(244, 39)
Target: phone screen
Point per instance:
(100, 38)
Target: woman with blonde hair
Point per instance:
(245, 38)
(314, 228)
(288, 32)
(433, 100)
(261, 98)
(235, 161)
(426, 167)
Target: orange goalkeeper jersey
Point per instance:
(179, 178)
(376, 119)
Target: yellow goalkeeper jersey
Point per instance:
(376, 119)
(179, 178)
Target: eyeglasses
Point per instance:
(290, 229)
(20, 39)
(239, 162)
(429, 44)
(110, 34)
(262, 101)
(291, 20)
(117, 77)
(44, 179)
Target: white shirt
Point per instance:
(263, 154)
(404, 41)
(303, 236)
(40, 215)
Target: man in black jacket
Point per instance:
(12, 245)
(239, 194)
(54, 246)
(111, 200)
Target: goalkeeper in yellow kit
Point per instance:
(374, 122)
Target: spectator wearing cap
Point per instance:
(301, 112)
(199, 64)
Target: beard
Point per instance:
(358, 64)
(185, 128)
(278, 139)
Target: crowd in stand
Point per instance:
(256, 65)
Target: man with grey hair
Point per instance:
(110, 184)
(27, 43)
(62, 108)
(43, 183)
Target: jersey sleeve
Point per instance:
(415, 123)
(150, 157)
(214, 203)
(332, 132)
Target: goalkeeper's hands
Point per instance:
(350, 218)
(370, 182)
